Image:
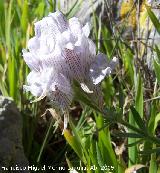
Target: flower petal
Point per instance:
(86, 30)
(75, 26)
(101, 67)
(31, 60)
(85, 88)
(74, 63)
(34, 89)
(60, 19)
(59, 99)
(63, 84)
(33, 44)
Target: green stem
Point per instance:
(45, 140)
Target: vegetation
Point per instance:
(125, 136)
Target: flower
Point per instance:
(59, 53)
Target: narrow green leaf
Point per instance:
(24, 18)
(138, 119)
(127, 58)
(157, 69)
(99, 156)
(3, 88)
(74, 143)
(40, 9)
(128, 135)
(153, 18)
(105, 143)
(158, 53)
(93, 155)
(12, 77)
(139, 95)
(158, 171)
(151, 123)
(157, 119)
(135, 143)
(74, 9)
(153, 163)
(106, 34)
(8, 21)
(45, 141)
(132, 151)
(155, 150)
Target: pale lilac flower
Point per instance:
(59, 53)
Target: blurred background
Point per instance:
(127, 29)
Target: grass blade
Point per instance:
(153, 18)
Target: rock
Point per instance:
(11, 148)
